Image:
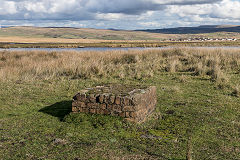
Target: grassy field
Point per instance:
(37, 37)
(107, 34)
(15, 39)
(121, 44)
(80, 33)
(90, 35)
(197, 112)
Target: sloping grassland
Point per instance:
(197, 111)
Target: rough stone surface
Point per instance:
(133, 103)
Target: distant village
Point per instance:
(204, 39)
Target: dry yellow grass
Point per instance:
(236, 91)
(30, 65)
(49, 40)
(79, 33)
(16, 39)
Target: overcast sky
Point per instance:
(119, 14)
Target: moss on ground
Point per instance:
(36, 123)
(114, 89)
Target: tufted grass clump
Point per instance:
(236, 91)
(133, 64)
(217, 75)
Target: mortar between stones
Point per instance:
(134, 103)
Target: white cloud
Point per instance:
(227, 9)
(120, 13)
(69, 8)
(183, 2)
(150, 24)
(7, 7)
(110, 16)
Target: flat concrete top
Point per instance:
(115, 89)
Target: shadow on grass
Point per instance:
(59, 109)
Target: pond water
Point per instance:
(106, 48)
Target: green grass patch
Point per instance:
(36, 123)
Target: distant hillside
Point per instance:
(79, 33)
(68, 34)
(196, 30)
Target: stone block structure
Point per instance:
(133, 103)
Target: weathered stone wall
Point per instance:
(133, 104)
